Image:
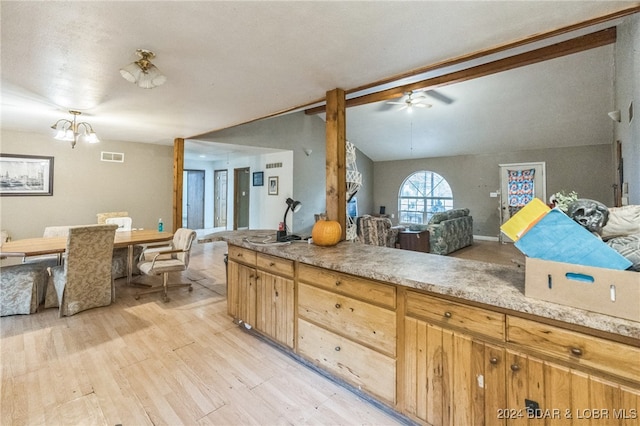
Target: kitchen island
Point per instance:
(438, 339)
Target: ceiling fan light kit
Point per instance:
(142, 72)
(411, 102)
(72, 131)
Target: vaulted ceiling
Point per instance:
(228, 63)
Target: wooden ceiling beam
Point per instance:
(575, 45)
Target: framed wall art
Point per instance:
(273, 185)
(25, 175)
(258, 178)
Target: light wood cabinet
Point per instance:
(275, 299)
(346, 327)
(437, 361)
(241, 277)
(563, 376)
(450, 377)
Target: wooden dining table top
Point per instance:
(53, 245)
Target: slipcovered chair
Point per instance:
(124, 223)
(50, 260)
(450, 230)
(22, 288)
(163, 260)
(377, 231)
(120, 254)
(84, 281)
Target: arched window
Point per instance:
(421, 195)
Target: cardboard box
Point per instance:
(606, 291)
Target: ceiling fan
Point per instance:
(411, 102)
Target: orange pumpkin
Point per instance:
(326, 233)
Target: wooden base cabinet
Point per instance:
(275, 299)
(347, 326)
(241, 292)
(260, 293)
(450, 378)
(438, 361)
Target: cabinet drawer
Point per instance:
(275, 265)
(243, 255)
(360, 321)
(358, 365)
(469, 318)
(615, 358)
(360, 288)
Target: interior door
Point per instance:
(220, 199)
(519, 184)
(241, 198)
(193, 197)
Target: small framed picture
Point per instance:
(258, 178)
(273, 185)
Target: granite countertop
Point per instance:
(490, 284)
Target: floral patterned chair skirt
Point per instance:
(22, 288)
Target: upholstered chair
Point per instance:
(84, 281)
(377, 231)
(163, 260)
(22, 288)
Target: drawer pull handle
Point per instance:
(239, 254)
(576, 351)
(337, 306)
(493, 360)
(337, 348)
(447, 314)
(337, 283)
(515, 367)
(272, 264)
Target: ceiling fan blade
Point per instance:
(397, 103)
(439, 96)
(421, 105)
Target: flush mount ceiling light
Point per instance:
(72, 131)
(142, 72)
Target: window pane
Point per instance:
(421, 195)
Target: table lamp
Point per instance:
(294, 206)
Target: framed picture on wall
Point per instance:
(273, 185)
(25, 175)
(258, 178)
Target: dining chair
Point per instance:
(124, 223)
(84, 281)
(163, 260)
(22, 288)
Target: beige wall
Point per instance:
(84, 185)
(586, 170)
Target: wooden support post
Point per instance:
(178, 169)
(336, 159)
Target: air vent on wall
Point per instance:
(113, 157)
(273, 165)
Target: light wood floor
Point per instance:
(145, 362)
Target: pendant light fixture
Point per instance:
(142, 72)
(72, 131)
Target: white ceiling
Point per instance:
(231, 62)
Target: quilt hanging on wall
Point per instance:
(521, 189)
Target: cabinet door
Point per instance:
(451, 378)
(275, 307)
(241, 293)
(540, 392)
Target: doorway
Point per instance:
(220, 199)
(193, 199)
(241, 198)
(519, 184)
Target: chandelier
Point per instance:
(142, 72)
(72, 131)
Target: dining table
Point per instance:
(57, 245)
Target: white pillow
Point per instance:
(622, 221)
